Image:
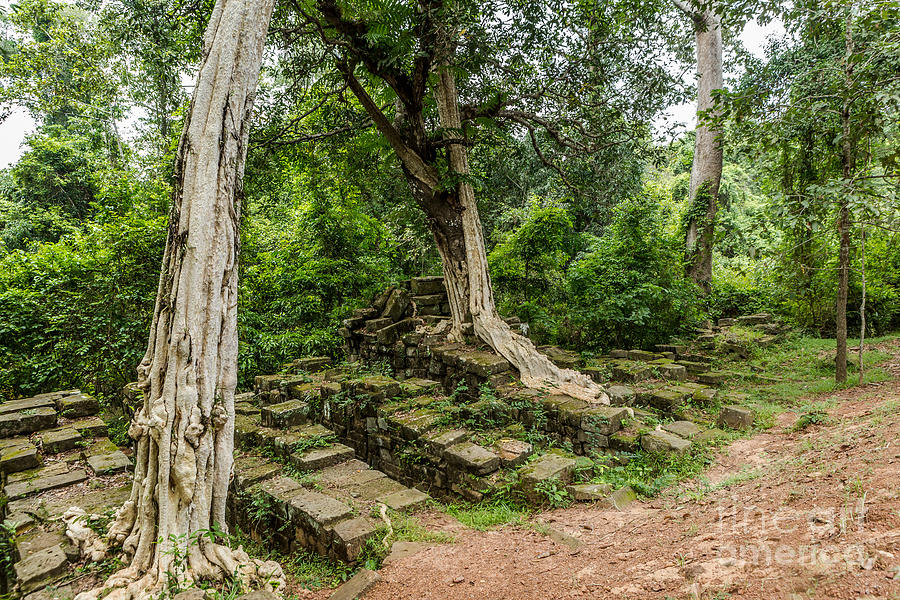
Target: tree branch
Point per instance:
(424, 173)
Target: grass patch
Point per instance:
(488, 515)
(302, 567)
(649, 473)
(804, 367)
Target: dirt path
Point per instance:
(794, 515)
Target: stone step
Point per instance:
(21, 489)
(89, 427)
(78, 405)
(59, 440)
(328, 510)
(284, 414)
(314, 459)
(18, 454)
(27, 421)
(553, 466)
(665, 442)
(109, 463)
(714, 377)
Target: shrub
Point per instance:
(629, 288)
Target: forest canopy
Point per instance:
(585, 200)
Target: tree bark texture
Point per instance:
(184, 431)
(706, 169)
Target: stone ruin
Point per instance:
(322, 448)
(54, 452)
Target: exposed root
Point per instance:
(88, 542)
(387, 521)
(205, 561)
(535, 369)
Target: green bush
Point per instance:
(75, 313)
(629, 288)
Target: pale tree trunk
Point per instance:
(471, 279)
(706, 169)
(184, 431)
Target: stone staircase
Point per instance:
(297, 486)
(54, 454)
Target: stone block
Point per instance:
(713, 377)
(21, 489)
(629, 371)
(319, 458)
(350, 537)
(284, 414)
(18, 457)
(736, 417)
(27, 421)
(512, 452)
(430, 300)
(666, 399)
(404, 500)
(316, 509)
(54, 468)
(597, 374)
(683, 429)
(425, 286)
(705, 396)
(472, 458)
(392, 333)
(708, 436)
(561, 358)
(99, 446)
(590, 492)
(553, 465)
(620, 395)
(694, 368)
(757, 319)
(626, 440)
(604, 420)
(25, 404)
(642, 355)
(662, 441)
(672, 371)
(53, 592)
(250, 470)
(414, 424)
(621, 498)
(60, 440)
(440, 440)
(41, 568)
(89, 427)
(483, 364)
(358, 585)
(78, 405)
(376, 488)
(108, 464)
(373, 325)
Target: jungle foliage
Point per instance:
(583, 204)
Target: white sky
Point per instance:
(19, 124)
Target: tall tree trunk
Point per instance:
(847, 167)
(184, 431)
(706, 170)
(862, 304)
(473, 281)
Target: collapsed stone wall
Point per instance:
(416, 435)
